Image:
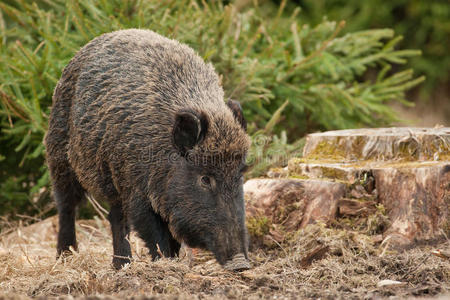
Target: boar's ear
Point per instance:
(236, 108)
(189, 129)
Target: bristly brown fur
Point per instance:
(110, 131)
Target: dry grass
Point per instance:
(316, 262)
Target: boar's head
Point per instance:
(205, 201)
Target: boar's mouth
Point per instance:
(238, 263)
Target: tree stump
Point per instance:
(292, 202)
(380, 144)
(354, 173)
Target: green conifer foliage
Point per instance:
(291, 78)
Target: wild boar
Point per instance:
(139, 121)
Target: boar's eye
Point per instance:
(206, 181)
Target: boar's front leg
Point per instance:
(120, 230)
(153, 230)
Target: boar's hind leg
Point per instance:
(120, 230)
(155, 232)
(68, 194)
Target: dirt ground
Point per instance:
(316, 262)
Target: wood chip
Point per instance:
(445, 254)
(390, 283)
(316, 254)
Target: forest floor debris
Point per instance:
(315, 262)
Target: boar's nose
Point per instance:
(237, 263)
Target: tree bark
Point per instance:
(350, 173)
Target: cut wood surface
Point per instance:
(429, 144)
(402, 172)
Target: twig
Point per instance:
(159, 250)
(98, 208)
(29, 217)
(93, 229)
(386, 241)
(11, 105)
(415, 269)
(281, 247)
(58, 260)
(288, 273)
(19, 234)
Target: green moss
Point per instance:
(377, 223)
(277, 170)
(373, 224)
(446, 226)
(296, 160)
(442, 151)
(381, 209)
(334, 173)
(425, 150)
(296, 176)
(327, 150)
(407, 150)
(258, 226)
(410, 164)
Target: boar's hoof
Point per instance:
(237, 263)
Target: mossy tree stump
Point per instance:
(403, 172)
(380, 144)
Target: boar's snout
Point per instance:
(237, 263)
